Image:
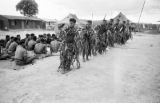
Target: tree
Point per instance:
(27, 7)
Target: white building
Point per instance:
(50, 24)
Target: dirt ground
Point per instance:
(125, 74)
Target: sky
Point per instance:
(59, 9)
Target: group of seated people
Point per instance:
(19, 49)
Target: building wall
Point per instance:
(15, 24)
(33, 24)
(4, 23)
(25, 24)
(50, 25)
(1, 24)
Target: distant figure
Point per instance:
(110, 33)
(61, 33)
(102, 37)
(87, 33)
(117, 32)
(21, 57)
(129, 30)
(123, 32)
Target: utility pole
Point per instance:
(141, 15)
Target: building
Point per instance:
(50, 24)
(121, 17)
(79, 22)
(8, 22)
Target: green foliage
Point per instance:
(27, 7)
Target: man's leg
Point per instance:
(20, 62)
(87, 53)
(4, 56)
(30, 60)
(83, 54)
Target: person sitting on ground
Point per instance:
(7, 39)
(44, 36)
(53, 36)
(54, 45)
(9, 42)
(48, 39)
(18, 38)
(10, 51)
(12, 48)
(32, 43)
(21, 57)
(40, 48)
(32, 35)
(39, 38)
(27, 40)
(3, 55)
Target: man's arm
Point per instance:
(25, 56)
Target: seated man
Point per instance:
(32, 35)
(39, 38)
(32, 43)
(3, 54)
(54, 45)
(28, 36)
(3, 51)
(40, 48)
(7, 39)
(48, 39)
(21, 57)
(12, 48)
(19, 38)
(9, 42)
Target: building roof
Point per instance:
(10, 17)
(121, 17)
(50, 20)
(79, 22)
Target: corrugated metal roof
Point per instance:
(10, 17)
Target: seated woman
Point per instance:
(21, 57)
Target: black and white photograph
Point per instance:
(79, 51)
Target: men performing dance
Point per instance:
(87, 34)
(69, 50)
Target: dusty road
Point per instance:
(126, 74)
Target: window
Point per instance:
(13, 23)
